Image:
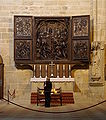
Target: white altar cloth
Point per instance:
(60, 80)
(57, 79)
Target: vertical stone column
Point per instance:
(101, 29)
(96, 69)
(101, 20)
(98, 15)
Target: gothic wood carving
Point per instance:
(24, 66)
(57, 39)
(80, 27)
(80, 50)
(23, 50)
(52, 38)
(80, 39)
(23, 27)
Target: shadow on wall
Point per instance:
(76, 88)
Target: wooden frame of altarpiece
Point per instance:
(57, 39)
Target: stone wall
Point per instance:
(19, 79)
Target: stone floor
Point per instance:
(67, 112)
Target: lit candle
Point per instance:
(42, 92)
(55, 91)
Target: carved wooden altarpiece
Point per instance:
(57, 39)
(23, 38)
(51, 39)
(80, 38)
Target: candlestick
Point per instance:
(57, 70)
(69, 67)
(69, 70)
(40, 71)
(63, 67)
(57, 67)
(46, 70)
(34, 71)
(46, 67)
(40, 67)
(34, 67)
(52, 68)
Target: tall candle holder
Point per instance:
(34, 67)
(69, 71)
(46, 70)
(63, 70)
(57, 70)
(40, 71)
(51, 64)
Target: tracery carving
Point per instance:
(23, 27)
(23, 49)
(52, 38)
(80, 50)
(80, 26)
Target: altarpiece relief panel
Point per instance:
(23, 27)
(23, 38)
(80, 38)
(80, 50)
(80, 27)
(23, 49)
(52, 38)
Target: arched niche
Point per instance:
(1, 77)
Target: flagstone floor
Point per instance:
(65, 112)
